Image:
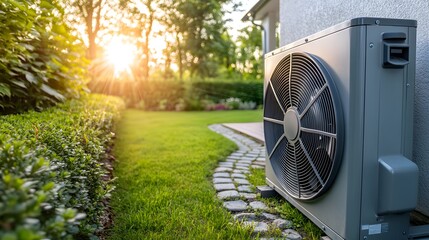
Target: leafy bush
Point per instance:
(233, 103)
(229, 104)
(216, 91)
(41, 62)
(148, 95)
(174, 95)
(52, 169)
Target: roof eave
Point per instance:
(252, 12)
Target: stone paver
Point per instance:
(221, 174)
(241, 171)
(237, 154)
(227, 164)
(223, 169)
(222, 180)
(224, 186)
(291, 234)
(241, 181)
(237, 175)
(282, 224)
(235, 206)
(248, 196)
(244, 188)
(258, 227)
(242, 164)
(247, 162)
(245, 216)
(269, 216)
(233, 188)
(228, 194)
(257, 205)
(242, 167)
(248, 158)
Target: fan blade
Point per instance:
(290, 174)
(310, 161)
(273, 120)
(275, 131)
(280, 82)
(276, 145)
(277, 99)
(321, 149)
(315, 131)
(314, 98)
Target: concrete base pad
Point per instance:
(266, 191)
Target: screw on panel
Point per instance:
(306, 40)
(408, 84)
(323, 228)
(403, 233)
(365, 237)
(377, 22)
(371, 45)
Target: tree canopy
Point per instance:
(197, 42)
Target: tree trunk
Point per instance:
(92, 47)
(179, 51)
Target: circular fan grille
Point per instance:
(302, 125)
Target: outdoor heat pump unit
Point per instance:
(338, 124)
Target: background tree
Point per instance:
(138, 20)
(197, 27)
(175, 25)
(249, 53)
(96, 16)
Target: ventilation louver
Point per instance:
(303, 119)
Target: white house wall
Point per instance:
(269, 34)
(301, 18)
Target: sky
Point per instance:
(236, 24)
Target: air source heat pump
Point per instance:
(338, 123)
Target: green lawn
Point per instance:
(164, 164)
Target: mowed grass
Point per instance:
(165, 161)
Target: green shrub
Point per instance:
(216, 91)
(174, 95)
(41, 62)
(52, 169)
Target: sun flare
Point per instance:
(121, 55)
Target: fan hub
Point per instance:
(291, 125)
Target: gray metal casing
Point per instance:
(377, 108)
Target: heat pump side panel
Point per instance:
(388, 127)
(338, 210)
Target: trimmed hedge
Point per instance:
(52, 169)
(174, 95)
(151, 94)
(216, 91)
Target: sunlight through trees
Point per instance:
(173, 39)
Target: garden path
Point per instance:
(232, 186)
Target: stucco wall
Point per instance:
(301, 18)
